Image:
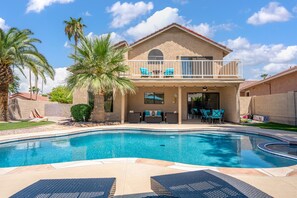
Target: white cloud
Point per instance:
(209, 30)
(87, 13)
(275, 67)
(114, 37)
(273, 12)
(38, 5)
(170, 15)
(3, 24)
(60, 79)
(157, 21)
(124, 13)
(262, 58)
(67, 44)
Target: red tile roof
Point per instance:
(26, 96)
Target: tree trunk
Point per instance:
(98, 111)
(30, 83)
(3, 102)
(36, 87)
(6, 77)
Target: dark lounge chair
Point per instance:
(203, 184)
(72, 188)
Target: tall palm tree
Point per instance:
(98, 65)
(74, 28)
(17, 49)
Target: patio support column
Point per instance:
(123, 109)
(179, 105)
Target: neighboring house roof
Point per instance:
(224, 48)
(26, 96)
(283, 73)
(244, 84)
(120, 44)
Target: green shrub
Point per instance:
(61, 94)
(81, 112)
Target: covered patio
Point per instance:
(181, 98)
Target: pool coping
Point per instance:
(278, 171)
(263, 172)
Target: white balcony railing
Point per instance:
(185, 69)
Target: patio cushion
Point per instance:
(158, 113)
(147, 112)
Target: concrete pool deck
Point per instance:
(133, 174)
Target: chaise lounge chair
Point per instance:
(204, 183)
(72, 188)
(36, 116)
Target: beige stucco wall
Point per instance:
(245, 105)
(173, 43)
(80, 96)
(136, 101)
(231, 103)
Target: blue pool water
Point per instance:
(207, 148)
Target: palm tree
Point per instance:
(74, 28)
(264, 76)
(98, 65)
(17, 49)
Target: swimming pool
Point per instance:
(209, 148)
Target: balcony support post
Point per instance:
(179, 105)
(123, 109)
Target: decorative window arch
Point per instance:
(155, 56)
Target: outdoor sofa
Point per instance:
(153, 116)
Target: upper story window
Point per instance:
(155, 56)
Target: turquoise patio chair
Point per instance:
(145, 72)
(194, 112)
(223, 113)
(205, 115)
(216, 115)
(169, 72)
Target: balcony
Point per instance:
(185, 69)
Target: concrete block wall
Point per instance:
(21, 109)
(281, 108)
(57, 109)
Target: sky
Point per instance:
(262, 34)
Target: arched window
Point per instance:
(155, 56)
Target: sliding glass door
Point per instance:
(198, 100)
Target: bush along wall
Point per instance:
(81, 112)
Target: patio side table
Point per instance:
(171, 117)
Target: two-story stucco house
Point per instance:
(176, 70)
